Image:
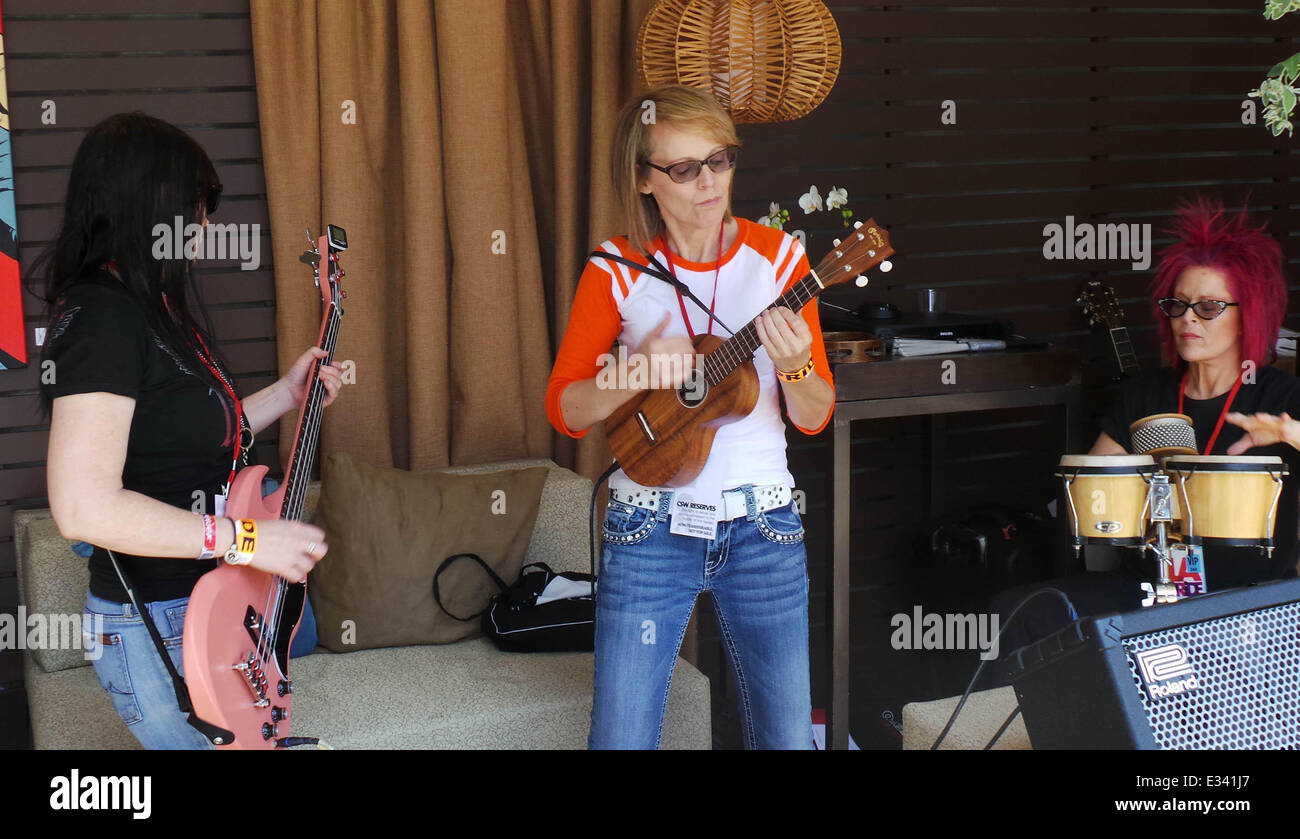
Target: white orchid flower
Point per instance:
(837, 198)
(774, 209)
(811, 200)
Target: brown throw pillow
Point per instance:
(389, 530)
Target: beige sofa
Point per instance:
(980, 719)
(463, 695)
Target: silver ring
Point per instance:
(311, 549)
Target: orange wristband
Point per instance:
(798, 375)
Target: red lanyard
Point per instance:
(1227, 406)
(717, 268)
(210, 363)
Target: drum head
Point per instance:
(1107, 464)
(1224, 463)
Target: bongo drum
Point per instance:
(1227, 500)
(1162, 435)
(1107, 497)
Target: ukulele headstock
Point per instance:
(863, 248)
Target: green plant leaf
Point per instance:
(1274, 9)
(1287, 70)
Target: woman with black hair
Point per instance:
(146, 427)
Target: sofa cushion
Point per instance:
(980, 718)
(390, 529)
(52, 580)
(453, 696)
(470, 695)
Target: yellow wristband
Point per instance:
(242, 549)
(798, 375)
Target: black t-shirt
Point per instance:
(182, 433)
(1273, 392)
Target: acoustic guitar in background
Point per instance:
(1102, 309)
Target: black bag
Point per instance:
(990, 546)
(544, 611)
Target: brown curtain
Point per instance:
(464, 145)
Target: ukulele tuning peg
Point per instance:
(886, 267)
(835, 242)
(861, 281)
(857, 225)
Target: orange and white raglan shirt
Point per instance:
(614, 301)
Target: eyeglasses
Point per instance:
(1205, 309)
(213, 198)
(685, 171)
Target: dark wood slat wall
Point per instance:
(1107, 111)
(185, 61)
(1111, 112)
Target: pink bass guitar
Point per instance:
(241, 621)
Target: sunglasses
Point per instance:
(685, 171)
(1205, 309)
(213, 199)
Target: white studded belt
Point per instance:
(766, 498)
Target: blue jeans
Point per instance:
(132, 673)
(756, 570)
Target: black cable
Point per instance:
(591, 522)
(1074, 616)
(659, 272)
(1005, 726)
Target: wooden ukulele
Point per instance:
(662, 437)
(1102, 308)
(241, 621)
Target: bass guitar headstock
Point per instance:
(334, 242)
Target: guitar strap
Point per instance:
(659, 272)
(215, 734)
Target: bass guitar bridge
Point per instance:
(251, 669)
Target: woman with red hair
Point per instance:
(1219, 297)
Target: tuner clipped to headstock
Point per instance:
(334, 242)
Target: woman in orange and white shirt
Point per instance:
(673, 174)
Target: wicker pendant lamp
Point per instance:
(763, 60)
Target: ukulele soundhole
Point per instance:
(694, 390)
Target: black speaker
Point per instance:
(1218, 671)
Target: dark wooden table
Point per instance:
(934, 386)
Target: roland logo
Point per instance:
(1166, 670)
